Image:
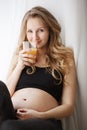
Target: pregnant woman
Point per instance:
(40, 89)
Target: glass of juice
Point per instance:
(30, 49)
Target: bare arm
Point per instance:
(13, 79)
(68, 98)
(14, 74)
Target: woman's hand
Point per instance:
(27, 114)
(25, 59)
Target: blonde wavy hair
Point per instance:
(58, 56)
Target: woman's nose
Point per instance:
(35, 36)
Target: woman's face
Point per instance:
(37, 32)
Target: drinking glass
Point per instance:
(30, 49)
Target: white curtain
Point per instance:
(73, 19)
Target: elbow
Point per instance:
(69, 109)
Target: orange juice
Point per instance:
(32, 51)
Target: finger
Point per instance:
(22, 54)
(31, 61)
(22, 51)
(32, 56)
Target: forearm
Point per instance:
(58, 112)
(13, 79)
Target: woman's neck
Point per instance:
(41, 58)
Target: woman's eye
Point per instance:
(29, 31)
(41, 30)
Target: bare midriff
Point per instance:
(33, 98)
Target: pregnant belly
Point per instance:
(33, 98)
